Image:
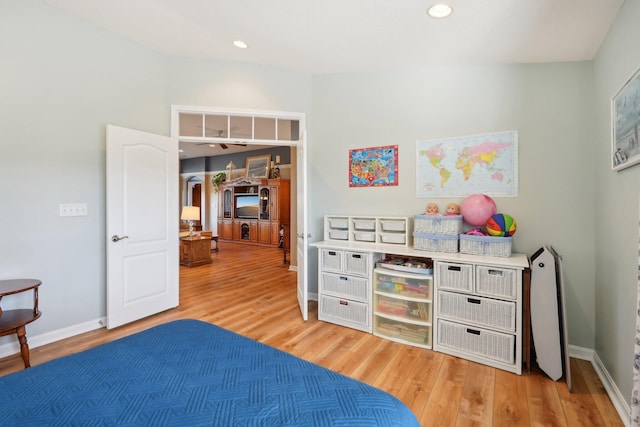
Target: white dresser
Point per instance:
(474, 311)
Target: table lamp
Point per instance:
(190, 214)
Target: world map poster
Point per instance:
(460, 166)
(373, 167)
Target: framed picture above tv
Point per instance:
(258, 166)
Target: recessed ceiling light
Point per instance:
(240, 44)
(212, 145)
(440, 10)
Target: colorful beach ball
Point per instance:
(501, 225)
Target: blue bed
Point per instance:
(191, 373)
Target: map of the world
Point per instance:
(460, 166)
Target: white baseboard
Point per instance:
(53, 336)
(619, 401)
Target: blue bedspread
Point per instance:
(191, 373)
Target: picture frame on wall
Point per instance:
(258, 166)
(373, 166)
(625, 124)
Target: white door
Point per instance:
(302, 243)
(142, 225)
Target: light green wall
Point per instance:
(61, 81)
(617, 196)
(550, 105)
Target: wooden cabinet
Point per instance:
(195, 251)
(225, 229)
(272, 211)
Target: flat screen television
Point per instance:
(247, 206)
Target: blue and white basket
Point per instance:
(485, 245)
(435, 242)
(437, 224)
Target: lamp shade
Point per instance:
(191, 213)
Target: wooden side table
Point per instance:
(195, 251)
(14, 321)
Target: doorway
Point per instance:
(241, 130)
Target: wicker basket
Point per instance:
(485, 245)
(437, 224)
(435, 242)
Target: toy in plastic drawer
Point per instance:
(435, 242)
(437, 224)
(485, 245)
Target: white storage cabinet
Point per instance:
(478, 313)
(402, 304)
(344, 287)
(367, 229)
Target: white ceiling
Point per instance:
(326, 36)
(330, 36)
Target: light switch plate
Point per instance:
(73, 209)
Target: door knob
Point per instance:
(116, 238)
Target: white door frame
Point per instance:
(302, 196)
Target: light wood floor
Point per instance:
(250, 291)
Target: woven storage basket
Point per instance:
(435, 242)
(496, 282)
(485, 245)
(455, 276)
(356, 263)
(481, 311)
(437, 224)
(493, 345)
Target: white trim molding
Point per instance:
(619, 401)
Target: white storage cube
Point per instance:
(482, 311)
(332, 260)
(364, 236)
(339, 234)
(339, 309)
(366, 224)
(341, 223)
(437, 224)
(393, 224)
(356, 263)
(347, 286)
(455, 276)
(485, 245)
(482, 342)
(435, 242)
(496, 282)
(395, 238)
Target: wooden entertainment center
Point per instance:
(253, 210)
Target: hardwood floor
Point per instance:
(250, 291)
